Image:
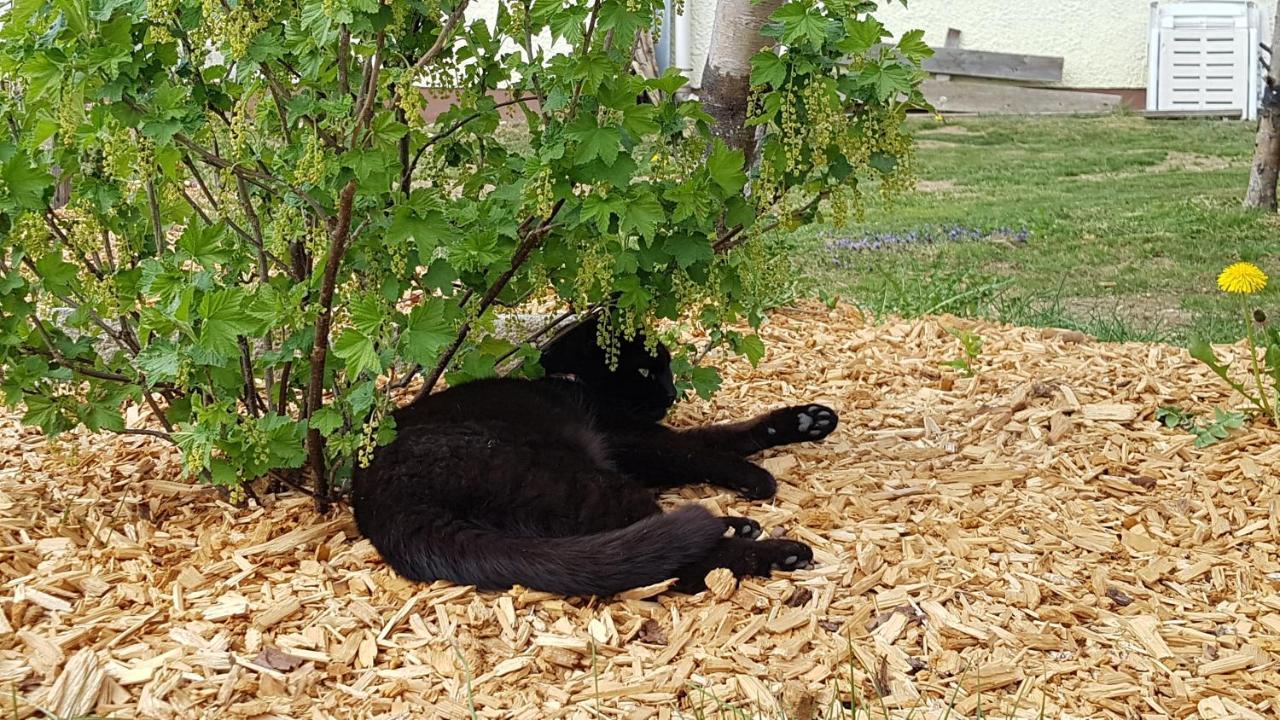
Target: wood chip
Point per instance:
(1110, 412)
(721, 583)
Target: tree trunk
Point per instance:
(726, 78)
(1266, 151)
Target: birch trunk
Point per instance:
(726, 77)
(1266, 151)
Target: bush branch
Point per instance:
(319, 350)
(531, 241)
(446, 30)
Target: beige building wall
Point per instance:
(1103, 42)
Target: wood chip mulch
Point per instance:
(1028, 540)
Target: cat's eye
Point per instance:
(644, 372)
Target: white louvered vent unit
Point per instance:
(1203, 57)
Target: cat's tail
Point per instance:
(644, 553)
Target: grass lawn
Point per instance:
(1128, 223)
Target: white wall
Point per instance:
(1103, 42)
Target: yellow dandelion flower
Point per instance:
(1242, 278)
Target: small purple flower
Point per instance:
(840, 248)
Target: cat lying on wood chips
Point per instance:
(550, 483)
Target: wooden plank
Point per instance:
(953, 41)
(994, 65)
(994, 99)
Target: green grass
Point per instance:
(1129, 222)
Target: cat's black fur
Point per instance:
(550, 483)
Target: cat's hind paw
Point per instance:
(784, 555)
(752, 482)
(743, 527)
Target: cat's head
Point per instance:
(642, 384)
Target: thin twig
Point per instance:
(108, 250)
(251, 399)
(204, 217)
(157, 225)
(199, 178)
(155, 410)
(51, 221)
(282, 401)
(75, 366)
(586, 50)
(278, 95)
(735, 237)
(455, 127)
(144, 431)
(261, 179)
(370, 91)
(445, 31)
(281, 477)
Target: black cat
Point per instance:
(550, 483)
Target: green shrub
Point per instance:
(264, 236)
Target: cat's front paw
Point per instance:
(799, 423)
(753, 483)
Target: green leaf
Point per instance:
(159, 361)
(1203, 351)
(860, 35)
(620, 19)
(643, 215)
(801, 24)
(368, 313)
(357, 350)
(706, 381)
(619, 174)
(24, 184)
(57, 275)
(326, 420)
(886, 81)
(752, 347)
(600, 210)
(477, 250)
(202, 243)
(669, 82)
(46, 414)
(428, 230)
(431, 329)
(638, 119)
(223, 473)
(725, 167)
(914, 47)
(1232, 420)
(284, 440)
(595, 142)
(689, 249)
(883, 162)
(103, 416)
(225, 318)
(768, 69)
(475, 366)
(738, 212)
(690, 202)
